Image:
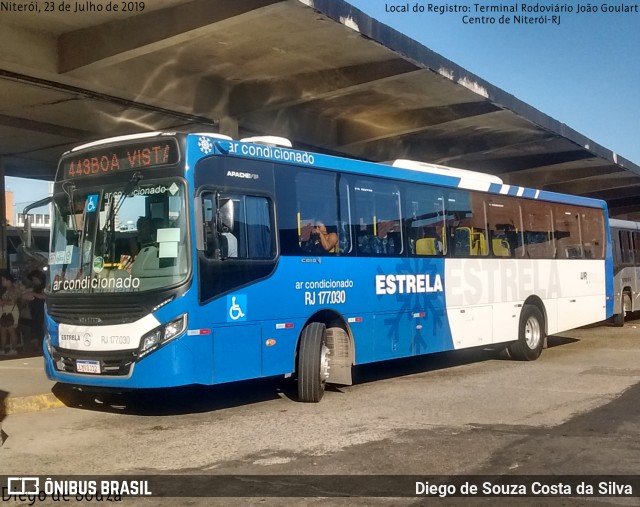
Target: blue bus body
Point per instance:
(387, 306)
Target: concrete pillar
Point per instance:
(229, 127)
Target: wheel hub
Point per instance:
(324, 363)
(532, 333)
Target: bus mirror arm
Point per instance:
(28, 239)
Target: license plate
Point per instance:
(83, 366)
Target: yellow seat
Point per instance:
(500, 247)
(426, 246)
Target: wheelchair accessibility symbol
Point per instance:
(237, 308)
(92, 203)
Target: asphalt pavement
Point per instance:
(24, 387)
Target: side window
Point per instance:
(505, 229)
(625, 247)
(424, 221)
(322, 214)
(615, 246)
(592, 231)
(466, 231)
(237, 226)
(567, 232)
(377, 218)
(636, 246)
(538, 230)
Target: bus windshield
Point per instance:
(129, 237)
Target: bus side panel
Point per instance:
(394, 308)
(485, 296)
(393, 335)
(581, 289)
(237, 353)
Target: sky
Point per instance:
(584, 72)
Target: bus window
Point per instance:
(592, 230)
(567, 232)
(237, 226)
(322, 204)
(377, 210)
(466, 232)
(626, 247)
(635, 237)
(424, 221)
(538, 230)
(505, 229)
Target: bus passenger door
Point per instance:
(237, 353)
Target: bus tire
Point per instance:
(531, 335)
(313, 363)
(625, 309)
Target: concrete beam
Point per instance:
(463, 147)
(43, 128)
(117, 41)
(28, 49)
(269, 94)
(404, 123)
(300, 125)
(28, 168)
(613, 185)
(561, 173)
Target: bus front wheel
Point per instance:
(531, 335)
(625, 309)
(313, 363)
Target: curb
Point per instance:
(35, 403)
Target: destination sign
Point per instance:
(141, 155)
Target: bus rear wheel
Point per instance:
(531, 335)
(313, 363)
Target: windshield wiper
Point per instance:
(113, 210)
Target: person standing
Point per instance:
(10, 314)
(35, 302)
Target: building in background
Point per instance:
(8, 207)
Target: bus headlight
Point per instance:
(175, 328)
(150, 341)
(163, 334)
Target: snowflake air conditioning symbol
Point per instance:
(205, 145)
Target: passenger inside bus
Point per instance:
(146, 235)
(318, 239)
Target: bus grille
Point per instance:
(91, 314)
(118, 364)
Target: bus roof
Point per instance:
(624, 224)
(407, 170)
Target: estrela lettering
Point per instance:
(69, 337)
(407, 284)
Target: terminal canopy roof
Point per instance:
(319, 72)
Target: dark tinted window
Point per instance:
(424, 215)
(377, 217)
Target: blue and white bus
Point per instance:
(251, 259)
